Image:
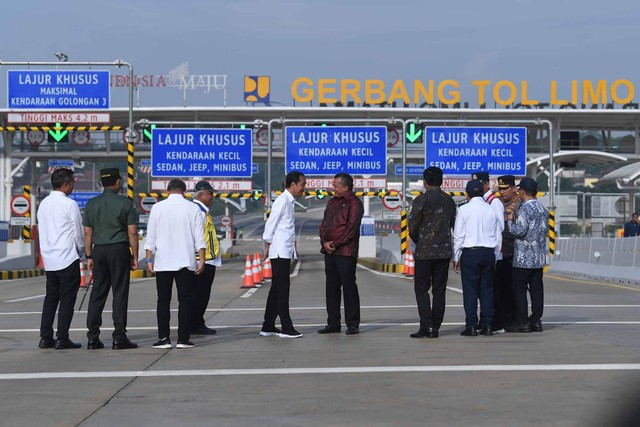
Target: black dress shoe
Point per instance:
(47, 343)
(353, 330)
(204, 330)
(470, 331)
(487, 330)
(64, 344)
(536, 327)
(431, 333)
(95, 344)
(329, 330)
(419, 334)
(526, 328)
(123, 344)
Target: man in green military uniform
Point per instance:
(111, 242)
(203, 196)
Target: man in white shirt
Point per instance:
(175, 233)
(490, 197)
(61, 246)
(476, 244)
(279, 237)
(202, 197)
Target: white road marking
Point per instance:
(335, 370)
(26, 298)
(297, 269)
(364, 307)
(249, 293)
(316, 325)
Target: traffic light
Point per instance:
(147, 133)
(321, 193)
(58, 133)
(256, 194)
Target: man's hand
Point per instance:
(328, 247)
(456, 266)
(134, 264)
(89, 264)
(150, 267)
(200, 268)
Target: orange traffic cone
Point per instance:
(248, 274)
(260, 269)
(412, 264)
(83, 280)
(405, 262)
(256, 271)
(267, 269)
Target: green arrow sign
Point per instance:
(58, 134)
(412, 135)
(149, 133)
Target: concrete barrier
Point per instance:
(616, 259)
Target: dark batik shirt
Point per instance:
(432, 217)
(341, 224)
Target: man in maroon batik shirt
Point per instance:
(339, 237)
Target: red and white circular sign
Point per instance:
(146, 203)
(35, 137)
(393, 136)
(81, 137)
(392, 202)
(136, 136)
(20, 205)
(261, 135)
(226, 221)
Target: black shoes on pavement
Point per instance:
(123, 344)
(65, 344)
(469, 331)
(430, 332)
(329, 330)
(353, 330)
(95, 344)
(204, 330)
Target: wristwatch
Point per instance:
(148, 260)
(88, 256)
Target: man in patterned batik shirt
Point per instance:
(529, 228)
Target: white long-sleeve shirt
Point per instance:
(498, 208)
(175, 233)
(60, 231)
(477, 225)
(280, 229)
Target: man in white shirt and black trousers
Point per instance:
(477, 237)
(61, 246)
(280, 237)
(175, 234)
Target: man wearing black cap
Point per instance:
(529, 227)
(502, 283)
(111, 242)
(203, 196)
(433, 214)
(476, 243)
(488, 195)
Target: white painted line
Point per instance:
(364, 307)
(456, 290)
(316, 325)
(336, 370)
(26, 298)
(297, 269)
(249, 293)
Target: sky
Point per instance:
(515, 40)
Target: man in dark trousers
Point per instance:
(111, 240)
(62, 245)
(203, 196)
(502, 282)
(477, 236)
(340, 238)
(279, 238)
(433, 215)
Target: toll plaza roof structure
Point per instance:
(625, 176)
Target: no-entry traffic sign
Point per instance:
(20, 205)
(146, 203)
(225, 221)
(392, 202)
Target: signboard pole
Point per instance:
(26, 230)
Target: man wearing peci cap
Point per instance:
(476, 243)
(529, 228)
(111, 242)
(203, 196)
(503, 283)
(488, 195)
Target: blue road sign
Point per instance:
(465, 150)
(201, 152)
(254, 168)
(145, 162)
(322, 151)
(77, 90)
(60, 163)
(411, 170)
(82, 198)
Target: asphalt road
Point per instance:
(581, 371)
